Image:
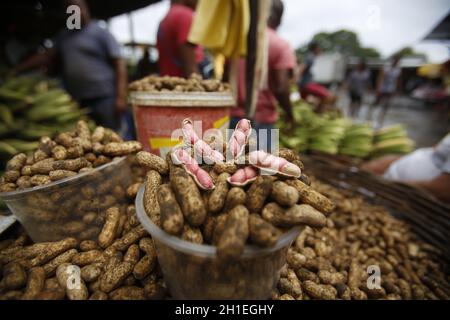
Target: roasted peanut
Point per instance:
(117, 149)
(108, 233)
(152, 182)
(172, 219)
(188, 196)
(35, 284)
(312, 197)
(217, 198)
(284, 194)
(258, 193)
(17, 162)
(73, 284)
(296, 215)
(261, 232)
(232, 240)
(152, 162)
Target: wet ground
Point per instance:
(426, 124)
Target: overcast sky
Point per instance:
(387, 25)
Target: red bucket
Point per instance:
(158, 114)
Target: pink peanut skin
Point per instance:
(239, 138)
(201, 177)
(267, 161)
(207, 152)
(190, 136)
(200, 146)
(243, 177)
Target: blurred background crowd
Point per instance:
(385, 62)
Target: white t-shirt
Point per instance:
(423, 164)
(441, 155)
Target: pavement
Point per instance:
(426, 124)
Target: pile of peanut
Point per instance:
(229, 217)
(194, 83)
(65, 156)
(119, 264)
(332, 263)
(76, 207)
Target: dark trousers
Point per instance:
(102, 111)
(267, 139)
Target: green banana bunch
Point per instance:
(327, 137)
(32, 107)
(393, 146)
(357, 141)
(7, 149)
(391, 132)
(360, 130)
(22, 145)
(71, 117)
(392, 140)
(56, 96)
(47, 112)
(6, 116)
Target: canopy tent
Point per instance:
(31, 19)
(441, 32)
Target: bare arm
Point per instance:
(37, 60)
(380, 165)
(187, 55)
(121, 84)
(439, 186)
(281, 90)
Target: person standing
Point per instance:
(281, 65)
(307, 87)
(177, 56)
(305, 68)
(387, 85)
(358, 83)
(92, 69)
(145, 66)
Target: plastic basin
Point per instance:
(192, 271)
(71, 207)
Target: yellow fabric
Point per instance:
(222, 26)
(431, 71)
(219, 63)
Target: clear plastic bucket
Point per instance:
(192, 271)
(71, 207)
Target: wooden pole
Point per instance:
(251, 56)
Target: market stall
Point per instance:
(231, 226)
(191, 211)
